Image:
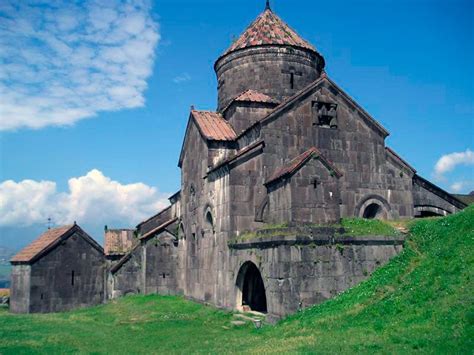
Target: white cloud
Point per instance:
(92, 199)
(63, 61)
(462, 186)
(448, 162)
(182, 78)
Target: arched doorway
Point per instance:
(430, 211)
(251, 288)
(373, 206)
(372, 211)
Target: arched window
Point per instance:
(181, 234)
(209, 222)
(373, 206)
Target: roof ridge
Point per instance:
(213, 126)
(297, 162)
(45, 241)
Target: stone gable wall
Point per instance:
(51, 285)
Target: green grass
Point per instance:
(422, 301)
(360, 226)
(352, 226)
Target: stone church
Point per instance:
(285, 147)
(264, 179)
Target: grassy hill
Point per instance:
(421, 301)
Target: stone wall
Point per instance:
(310, 195)
(428, 198)
(151, 267)
(266, 70)
(126, 276)
(20, 289)
(160, 265)
(300, 271)
(70, 276)
(356, 147)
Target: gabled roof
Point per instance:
(269, 29)
(255, 96)
(47, 241)
(296, 163)
(213, 126)
(309, 90)
(252, 96)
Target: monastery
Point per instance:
(265, 179)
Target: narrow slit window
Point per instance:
(72, 278)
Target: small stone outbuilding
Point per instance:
(63, 269)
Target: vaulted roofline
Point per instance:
(426, 184)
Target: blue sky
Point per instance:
(102, 96)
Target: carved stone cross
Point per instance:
(292, 72)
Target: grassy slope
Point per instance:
(422, 300)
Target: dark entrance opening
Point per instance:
(371, 211)
(428, 214)
(252, 287)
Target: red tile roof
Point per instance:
(255, 96)
(269, 29)
(213, 126)
(296, 163)
(44, 242)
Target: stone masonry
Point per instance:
(264, 179)
(286, 146)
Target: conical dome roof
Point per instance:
(269, 29)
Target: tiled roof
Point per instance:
(45, 240)
(255, 96)
(269, 29)
(213, 126)
(118, 241)
(296, 163)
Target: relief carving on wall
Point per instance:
(324, 111)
